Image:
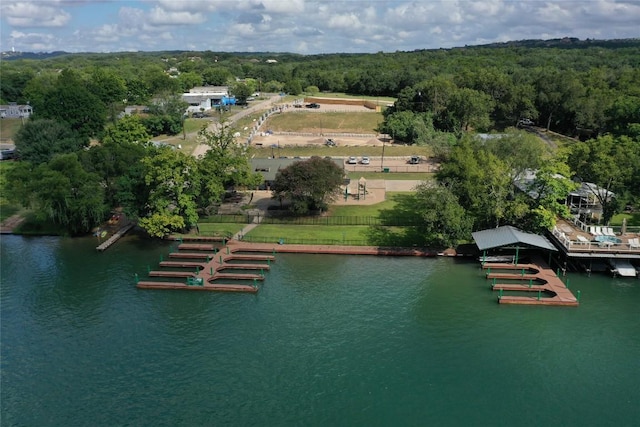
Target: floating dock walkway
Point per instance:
(205, 264)
(117, 235)
(534, 278)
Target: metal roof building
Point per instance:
(508, 237)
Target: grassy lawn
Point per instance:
(341, 151)
(368, 210)
(303, 121)
(309, 234)
(633, 219)
(8, 128)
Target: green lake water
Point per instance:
(328, 341)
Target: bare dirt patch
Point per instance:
(8, 225)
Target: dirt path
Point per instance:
(8, 225)
(264, 105)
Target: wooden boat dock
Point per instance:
(207, 263)
(533, 278)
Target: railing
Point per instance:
(591, 246)
(286, 219)
(305, 241)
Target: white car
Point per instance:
(352, 161)
(365, 160)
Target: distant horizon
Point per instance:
(496, 44)
(305, 27)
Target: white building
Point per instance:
(205, 98)
(15, 111)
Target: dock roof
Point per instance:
(508, 236)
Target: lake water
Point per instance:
(328, 340)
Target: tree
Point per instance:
(216, 76)
(312, 90)
(60, 191)
(128, 129)
(293, 87)
(39, 140)
(117, 162)
(241, 91)
(480, 180)
(444, 221)
(174, 181)
(189, 80)
(71, 102)
(610, 163)
(309, 184)
(225, 165)
(470, 108)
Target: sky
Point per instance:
(303, 26)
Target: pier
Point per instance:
(205, 264)
(117, 235)
(533, 278)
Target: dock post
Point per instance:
(523, 272)
(489, 270)
(221, 259)
(493, 281)
(148, 269)
(530, 282)
(268, 261)
(197, 271)
(539, 294)
(262, 272)
(484, 257)
(211, 271)
(161, 258)
(273, 252)
(208, 258)
(137, 279)
(255, 284)
(578, 296)
(180, 239)
(567, 284)
(227, 250)
(500, 293)
(215, 251)
(558, 272)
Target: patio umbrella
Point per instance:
(623, 230)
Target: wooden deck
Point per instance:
(210, 263)
(549, 287)
(219, 287)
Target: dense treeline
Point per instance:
(587, 89)
(573, 87)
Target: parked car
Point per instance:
(313, 105)
(352, 161)
(365, 160)
(7, 154)
(330, 142)
(414, 160)
(525, 122)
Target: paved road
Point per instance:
(261, 106)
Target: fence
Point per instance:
(303, 241)
(285, 219)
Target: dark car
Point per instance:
(313, 105)
(414, 160)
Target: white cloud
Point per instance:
(311, 26)
(33, 41)
(159, 16)
(34, 14)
